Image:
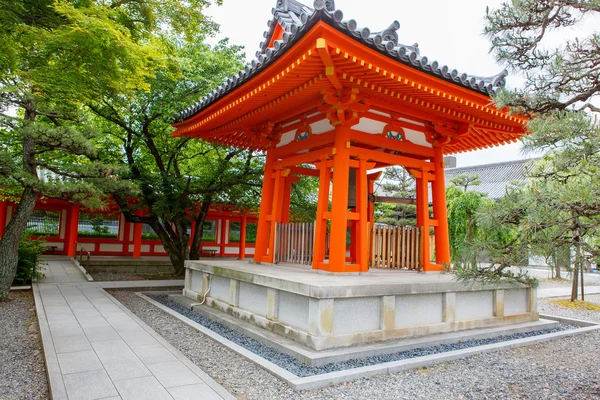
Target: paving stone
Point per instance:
(119, 360)
(153, 353)
(79, 361)
(69, 344)
(65, 330)
(89, 385)
(173, 373)
(102, 333)
(194, 392)
(142, 389)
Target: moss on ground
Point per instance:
(577, 304)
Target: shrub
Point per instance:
(30, 251)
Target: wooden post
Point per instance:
(440, 213)
(287, 194)
(266, 202)
(275, 213)
(223, 234)
(423, 220)
(3, 210)
(363, 212)
(72, 230)
(243, 225)
(339, 203)
(322, 206)
(137, 240)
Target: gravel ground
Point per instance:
(299, 369)
(22, 367)
(565, 368)
(120, 276)
(545, 306)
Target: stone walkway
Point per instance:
(97, 349)
(60, 270)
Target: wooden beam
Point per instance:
(392, 200)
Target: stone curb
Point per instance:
(317, 381)
(56, 385)
(261, 362)
(83, 271)
(193, 367)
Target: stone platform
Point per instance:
(324, 311)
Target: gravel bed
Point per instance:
(545, 306)
(565, 368)
(22, 367)
(299, 369)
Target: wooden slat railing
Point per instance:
(295, 242)
(395, 247)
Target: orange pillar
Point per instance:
(266, 202)
(137, 240)
(423, 220)
(339, 203)
(3, 209)
(322, 207)
(243, 225)
(275, 216)
(440, 213)
(362, 209)
(287, 195)
(72, 230)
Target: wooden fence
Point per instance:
(295, 242)
(395, 247)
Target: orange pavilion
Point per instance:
(334, 101)
(329, 99)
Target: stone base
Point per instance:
(323, 311)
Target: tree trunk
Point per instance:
(9, 244)
(199, 230)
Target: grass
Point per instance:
(577, 304)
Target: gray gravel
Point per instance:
(545, 306)
(22, 368)
(566, 368)
(299, 369)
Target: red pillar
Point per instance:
(322, 207)
(362, 209)
(423, 219)
(137, 240)
(266, 202)
(339, 202)
(223, 234)
(275, 214)
(243, 225)
(440, 213)
(72, 230)
(3, 210)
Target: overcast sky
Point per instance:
(447, 31)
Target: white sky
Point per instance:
(447, 31)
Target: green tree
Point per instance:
(399, 183)
(177, 178)
(561, 88)
(54, 57)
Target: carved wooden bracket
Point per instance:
(442, 132)
(344, 107)
(265, 135)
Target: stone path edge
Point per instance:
(317, 381)
(179, 355)
(56, 385)
(83, 271)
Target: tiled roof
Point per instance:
(495, 178)
(296, 19)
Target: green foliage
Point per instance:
(30, 251)
(397, 183)
(493, 274)
(465, 180)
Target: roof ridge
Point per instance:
(296, 18)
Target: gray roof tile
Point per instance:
(296, 19)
